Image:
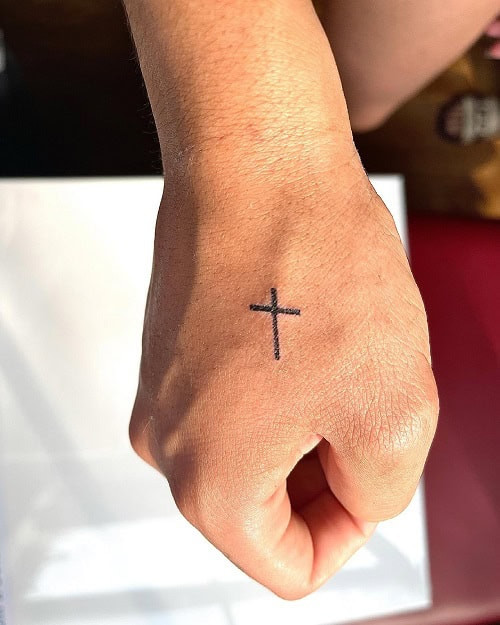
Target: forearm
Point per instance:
(253, 80)
(387, 50)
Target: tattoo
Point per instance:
(275, 310)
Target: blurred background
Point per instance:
(72, 103)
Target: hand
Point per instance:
(283, 464)
(230, 426)
(493, 31)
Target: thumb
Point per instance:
(299, 535)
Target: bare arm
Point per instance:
(285, 388)
(220, 75)
(387, 50)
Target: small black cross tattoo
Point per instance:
(275, 310)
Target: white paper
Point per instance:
(89, 534)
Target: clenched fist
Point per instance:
(284, 436)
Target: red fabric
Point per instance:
(457, 266)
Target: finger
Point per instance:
(374, 456)
(493, 29)
(318, 539)
(291, 549)
(493, 51)
(306, 481)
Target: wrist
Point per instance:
(223, 168)
(238, 75)
(229, 213)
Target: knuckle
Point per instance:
(141, 433)
(189, 496)
(135, 435)
(198, 504)
(186, 502)
(401, 423)
(392, 436)
(194, 497)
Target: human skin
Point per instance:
(493, 31)
(284, 465)
(387, 50)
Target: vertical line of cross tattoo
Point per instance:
(275, 310)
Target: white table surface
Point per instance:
(89, 534)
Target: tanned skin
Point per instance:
(285, 465)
